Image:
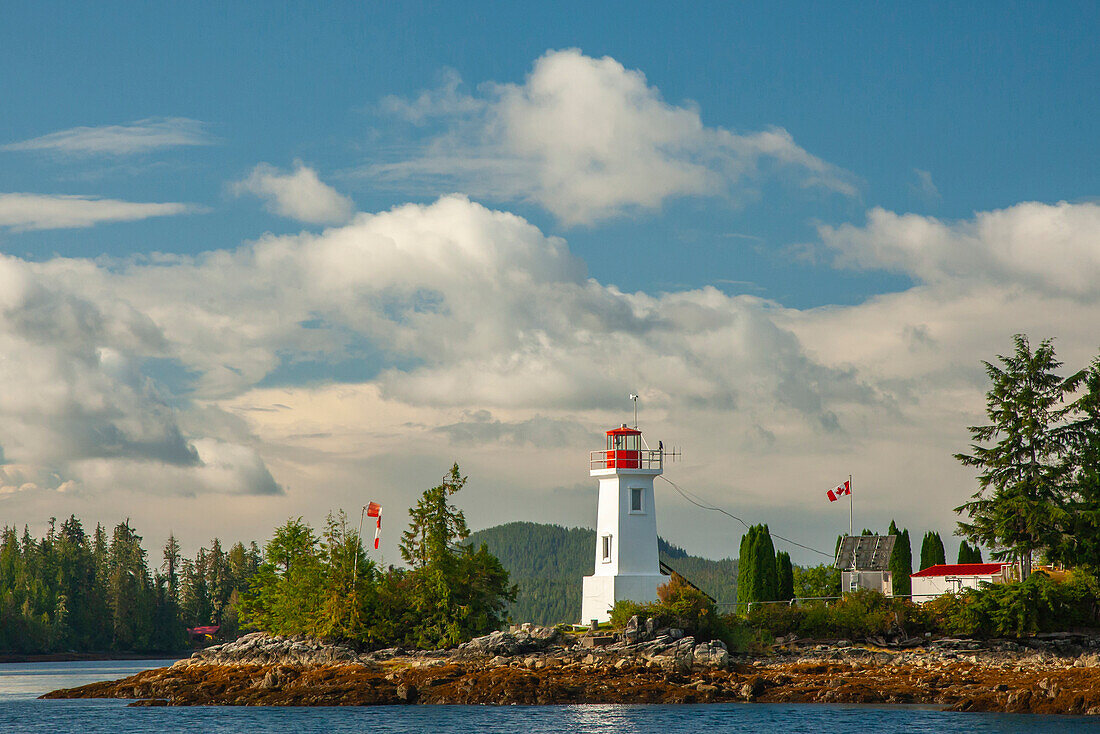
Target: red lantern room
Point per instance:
(624, 448)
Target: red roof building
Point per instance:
(951, 578)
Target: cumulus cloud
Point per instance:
(141, 136)
(589, 139)
(1054, 248)
(493, 346)
(41, 211)
(76, 395)
(299, 194)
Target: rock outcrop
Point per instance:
(533, 665)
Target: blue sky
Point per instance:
(994, 104)
(882, 183)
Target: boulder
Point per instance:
(711, 654)
(528, 639)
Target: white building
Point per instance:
(627, 565)
(952, 578)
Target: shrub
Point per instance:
(1038, 604)
(861, 614)
(677, 605)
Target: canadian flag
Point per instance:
(835, 494)
(375, 510)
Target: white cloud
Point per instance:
(497, 350)
(1050, 247)
(142, 136)
(589, 139)
(41, 211)
(76, 395)
(297, 195)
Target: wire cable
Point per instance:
(699, 503)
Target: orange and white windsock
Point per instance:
(375, 510)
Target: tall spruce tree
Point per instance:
(129, 590)
(456, 591)
(171, 568)
(932, 551)
(901, 562)
(1019, 506)
(1080, 543)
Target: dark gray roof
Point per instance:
(869, 552)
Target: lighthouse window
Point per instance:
(605, 547)
(636, 505)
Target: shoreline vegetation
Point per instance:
(1051, 674)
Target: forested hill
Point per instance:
(547, 562)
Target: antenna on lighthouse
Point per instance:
(635, 399)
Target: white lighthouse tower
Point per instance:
(627, 565)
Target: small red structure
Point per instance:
(624, 448)
(208, 631)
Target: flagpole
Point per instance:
(851, 502)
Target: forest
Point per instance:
(71, 591)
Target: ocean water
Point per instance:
(21, 712)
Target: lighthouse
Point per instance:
(627, 565)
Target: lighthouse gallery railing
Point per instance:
(625, 459)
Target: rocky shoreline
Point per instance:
(1055, 674)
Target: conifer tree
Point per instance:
(968, 554)
(785, 572)
(1019, 506)
(1079, 544)
(931, 551)
(171, 568)
(766, 579)
(901, 562)
(746, 567)
(129, 592)
(436, 526)
(757, 579)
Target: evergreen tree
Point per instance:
(349, 581)
(968, 554)
(746, 568)
(435, 525)
(901, 562)
(171, 568)
(786, 576)
(1079, 544)
(757, 578)
(453, 591)
(931, 551)
(129, 592)
(765, 576)
(1018, 508)
(286, 595)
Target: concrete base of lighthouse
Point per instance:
(601, 593)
